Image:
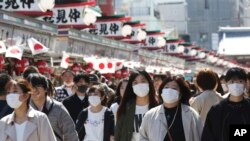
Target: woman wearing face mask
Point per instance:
(138, 98)
(25, 123)
(119, 94)
(95, 123)
(173, 120)
(60, 120)
(234, 110)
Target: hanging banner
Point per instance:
(171, 47)
(27, 7)
(109, 29)
(19, 5)
(75, 2)
(70, 16)
(153, 40)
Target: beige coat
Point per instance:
(37, 128)
(203, 102)
(154, 124)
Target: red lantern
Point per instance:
(1, 62)
(42, 66)
(21, 65)
(118, 74)
(76, 68)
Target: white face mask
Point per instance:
(94, 100)
(13, 100)
(224, 87)
(141, 89)
(236, 89)
(170, 95)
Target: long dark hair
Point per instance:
(130, 95)
(185, 93)
(117, 93)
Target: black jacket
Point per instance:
(108, 124)
(221, 116)
(74, 105)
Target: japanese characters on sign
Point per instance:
(107, 28)
(151, 41)
(26, 34)
(171, 47)
(5, 32)
(19, 5)
(66, 16)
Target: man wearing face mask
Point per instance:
(66, 89)
(235, 109)
(79, 101)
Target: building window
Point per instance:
(140, 11)
(206, 4)
(157, 14)
(203, 37)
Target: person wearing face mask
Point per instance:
(79, 101)
(138, 98)
(25, 123)
(66, 89)
(207, 82)
(230, 111)
(173, 120)
(60, 120)
(95, 123)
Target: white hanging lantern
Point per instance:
(161, 42)
(141, 35)
(202, 55)
(89, 18)
(180, 49)
(126, 30)
(225, 63)
(193, 52)
(45, 5)
(220, 62)
(210, 58)
(214, 59)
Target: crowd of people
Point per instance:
(142, 107)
